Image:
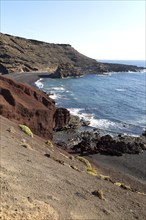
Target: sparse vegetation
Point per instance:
(91, 171)
(26, 130)
(49, 143)
(85, 161)
(104, 177)
(122, 185)
(64, 155)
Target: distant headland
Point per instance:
(59, 60)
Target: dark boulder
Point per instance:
(61, 119)
(3, 69)
(74, 122)
(144, 133)
(85, 123)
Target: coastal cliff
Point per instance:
(61, 60)
(26, 105)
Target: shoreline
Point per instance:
(129, 169)
(126, 168)
(27, 77)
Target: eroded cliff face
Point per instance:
(26, 105)
(23, 55)
(62, 60)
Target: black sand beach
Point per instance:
(27, 77)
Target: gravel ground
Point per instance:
(37, 187)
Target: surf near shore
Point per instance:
(116, 107)
(130, 169)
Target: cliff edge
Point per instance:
(26, 105)
(61, 60)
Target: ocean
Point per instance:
(113, 103)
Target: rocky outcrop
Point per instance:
(62, 60)
(66, 70)
(93, 143)
(26, 105)
(61, 118)
(144, 133)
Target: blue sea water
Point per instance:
(140, 63)
(114, 103)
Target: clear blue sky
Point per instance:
(99, 29)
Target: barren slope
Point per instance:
(39, 187)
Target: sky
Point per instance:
(106, 29)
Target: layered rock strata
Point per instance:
(26, 105)
(61, 60)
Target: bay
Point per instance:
(114, 103)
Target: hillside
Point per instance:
(27, 105)
(25, 55)
(42, 182)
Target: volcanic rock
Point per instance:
(26, 105)
(144, 133)
(61, 118)
(74, 122)
(60, 60)
(91, 143)
(65, 70)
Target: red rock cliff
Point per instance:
(27, 105)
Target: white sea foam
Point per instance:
(58, 88)
(120, 90)
(143, 71)
(54, 96)
(75, 111)
(103, 124)
(87, 116)
(131, 71)
(100, 123)
(39, 84)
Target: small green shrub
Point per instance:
(49, 143)
(26, 130)
(91, 171)
(103, 177)
(85, 161)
